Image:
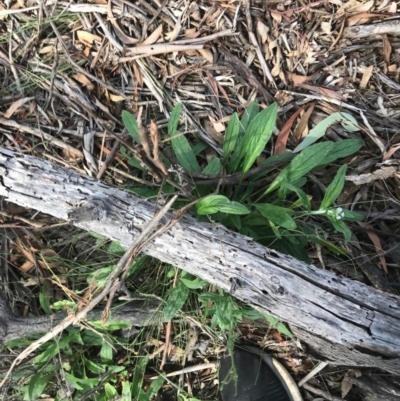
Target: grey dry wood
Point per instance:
(361, 322)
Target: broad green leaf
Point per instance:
(100, 276)
(212, 167)
(257, 135)
(341, 226)
(176, 298)
(236, 221)
(199, 147)
(219, 203)
(278, 325)
(184, 153)
(44, 299)
(303, 197)
(114, 325)
(63, 305)
(174, 120)
(155, 386)
(248, 116)
(194, 284)
(231, 136)
(338, 250)
(302, 164)
(352, 216)
(126, 391)
(278, 215)
(50, 351)
(251, 111)
(343, 148)
(234, 207)
(131, 125)
(93, 366)
(335, 188)
(136, 164)
(106, 352)
(138, 376)
(110, 391)
(210, 204)
(273, 161)
(347, 120)
(76, 382)
(37, 384)
(115, 247)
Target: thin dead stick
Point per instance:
(189, 369)
(165, 48)
(72, 319)
(254, 42)
(78, 67)
(40, 134)
(196, 41)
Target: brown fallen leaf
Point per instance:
(387, 50)
(87, 38)
(153, 37)
(323, 91)
(298, 79)
(366, 76)
(83, 80)
(390, 152)
(361, 18)
(281, 141)
(301, 127)
(16, 105)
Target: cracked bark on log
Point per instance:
(359, 323)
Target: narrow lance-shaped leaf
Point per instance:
(302, 164)
(257, 135)
(278, 215)
(174, 119)
(131, 125)
(335, 188)
(231, 136)
(347, 120)
(219, 203)
(184, 153)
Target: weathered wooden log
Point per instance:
(361, 324)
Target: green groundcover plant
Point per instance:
(272, 206)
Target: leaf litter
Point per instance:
(68, 71)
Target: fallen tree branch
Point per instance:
(358, 321)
